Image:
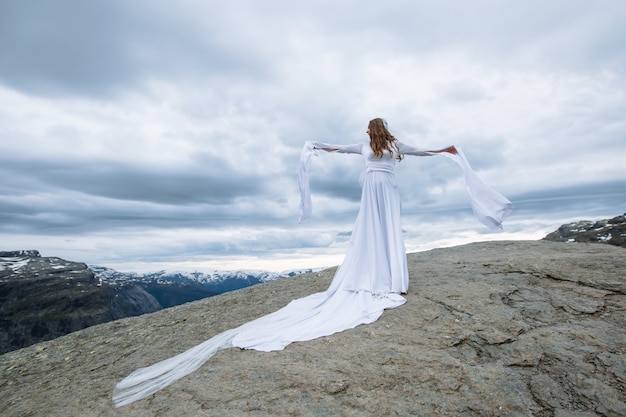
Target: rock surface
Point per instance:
(510, 328)
(45, 297)
(611, 231)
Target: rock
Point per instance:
(510, 328)
(611, 231)
(20, 254)
(45, 297)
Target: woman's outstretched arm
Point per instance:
(412, 150)
(353, 148)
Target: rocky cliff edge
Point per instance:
(509, 328)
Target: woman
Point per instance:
(371, 278)
(376, 258)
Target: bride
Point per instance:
(371, 278)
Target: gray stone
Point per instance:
(511, 328)
(611, 231)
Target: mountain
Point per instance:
(172, 288)
(42, 298)
(611, 231)
(45, 297)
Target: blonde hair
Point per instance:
(381, 139)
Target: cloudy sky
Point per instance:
(143, 135)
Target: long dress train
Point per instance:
(371, 278)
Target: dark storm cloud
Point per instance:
(610, 194)
(42, 196)
(63, 213)
(338, 180)
(100, 48)
(218, 184)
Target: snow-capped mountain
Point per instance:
(176, 287)
(209, 277)
(111, 275)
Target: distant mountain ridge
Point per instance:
(173, 288)
(212, 276)
(42, 298)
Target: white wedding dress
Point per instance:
(371, 278)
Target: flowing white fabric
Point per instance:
(371, 278)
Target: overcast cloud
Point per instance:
(141, 134)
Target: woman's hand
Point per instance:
(450, 149)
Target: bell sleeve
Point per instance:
(309, 149)
(489, 207)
